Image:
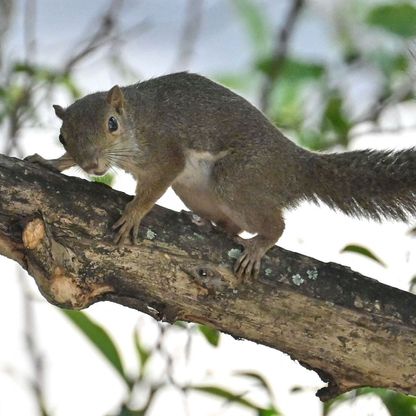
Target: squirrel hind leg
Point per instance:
(228, 226)
(248, 265)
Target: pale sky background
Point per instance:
(78, 380)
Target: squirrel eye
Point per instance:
(62, 140)
(112, 124)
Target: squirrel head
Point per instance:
(95, 131)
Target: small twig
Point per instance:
(399, 94)
(30, 29)
(280, 53)
(104, 30)
(29, 337)
(395, 97)
(6, 11)
(105, 35)
(189, 35)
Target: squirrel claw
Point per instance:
(247, 266)
(127, 227)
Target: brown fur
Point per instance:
(225, 160)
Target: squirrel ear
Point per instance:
(115, 98)
(59, 111)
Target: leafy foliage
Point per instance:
(398, 18)
(99, 337)
(294, 107)
(211, 335)
(107, 179)
(143, 354)
(231, 397)
(396, 404)
(354, 248)
(256, 25)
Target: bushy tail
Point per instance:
(368, 183)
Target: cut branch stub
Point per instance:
(352, 330)
(57, 270)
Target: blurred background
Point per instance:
(333, 75)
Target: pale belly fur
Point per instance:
(194, 186)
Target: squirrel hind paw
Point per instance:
(247, 266)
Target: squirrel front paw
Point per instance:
(128, 224)
(35, 158)
(128, 227)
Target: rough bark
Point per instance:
(352, 330)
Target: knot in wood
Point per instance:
(33, 234)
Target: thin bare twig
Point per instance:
(189, 35)
(36, 358)
(280, 52)
(103, 31)
(30, 29)
(6, 12)
(397, 95)
(106, 34)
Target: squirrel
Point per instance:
(225, 160)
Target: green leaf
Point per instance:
(332, 404)
(261, 381)
(293, 69)
(37, 72)
(398, 18)
(142, 353)
(398, 404)
(99, 338)
(353, 248)
(412, 285)
(25, 68)
(227, 395)
(245, 82)
(107, 179)
(286, 106)
(211, 335)
(48, 75)
(287, 97)
(335, 120)
(126, 411)
(181, 324)
(268, 412)
(390, 63)
(254, 19)
(315, 140)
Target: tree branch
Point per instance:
(352, 330)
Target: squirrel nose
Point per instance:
(91, 165)
(91, 162)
